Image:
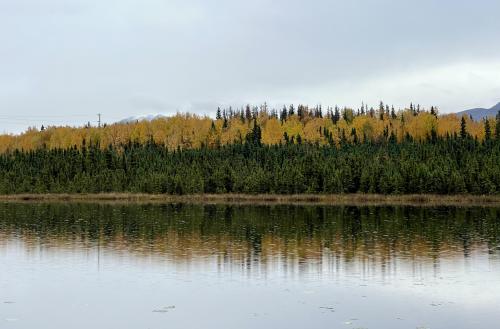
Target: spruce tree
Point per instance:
(487, 130)
(381, 110)
(286, 138)
(299, 139)
(393, 113)
(248, 113)
(497, 127)
(434, 111)
(336, 116)
(300, 111)
(283, 114)
(254, 136)
(463, 128)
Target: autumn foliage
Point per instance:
(291, 124)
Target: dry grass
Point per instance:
(261, 199)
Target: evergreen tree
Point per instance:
(248, 113)
(393, 113)
(497, 127)
(319, 112)
(456, 163)
(283, 114)
(336, 116)
(434, 135)
(487, 130)
(299, 139)
(443, 166)
(381, 110)
(254, 136)
(300, 111)
(434, 111)
(286, 138)
(463, 128)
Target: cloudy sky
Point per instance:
(64, 61)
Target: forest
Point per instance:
(406, 152)
(330, 126)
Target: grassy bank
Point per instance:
(251, 199)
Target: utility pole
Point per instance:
(99, 121)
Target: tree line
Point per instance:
(330, 126)
(449, 164)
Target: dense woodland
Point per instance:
(456, 163)
(330, 126)
(337, 160)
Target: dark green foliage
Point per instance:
(254, 136)
(434, 111)
(336, 116)
(497, 127)
(487, 130)
(438, 165)
(463, 129)
(283, 114)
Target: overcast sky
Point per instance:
(64, 61)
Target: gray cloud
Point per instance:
(122, 58)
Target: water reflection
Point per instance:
(187, 266)
(253, 239)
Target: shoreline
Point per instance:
(266, 199)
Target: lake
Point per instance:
(214, 266)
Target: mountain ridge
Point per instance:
(145, 117)
(480, 113)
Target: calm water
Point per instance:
(174, 266)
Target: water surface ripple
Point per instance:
(193, 266)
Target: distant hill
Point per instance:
(148, 117)
(481, 113)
